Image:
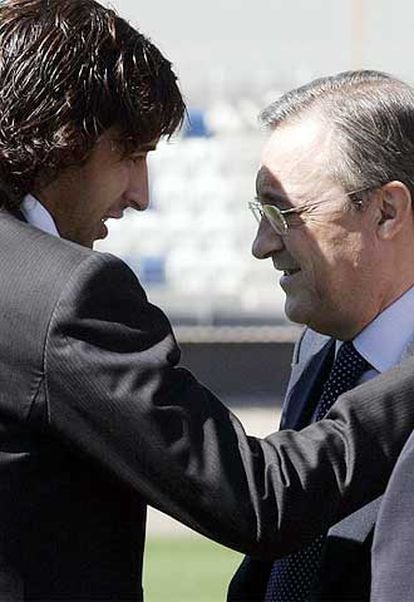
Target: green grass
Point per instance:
(188, 569)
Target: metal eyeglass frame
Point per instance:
(276, 216)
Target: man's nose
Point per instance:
(138, 193)
(267, 241)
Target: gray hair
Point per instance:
(373, 114)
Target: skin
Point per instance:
(342, 266)
(82, 197)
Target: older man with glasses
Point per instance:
(334, 207)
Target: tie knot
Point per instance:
(349, 363)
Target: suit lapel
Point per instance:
(305, 386)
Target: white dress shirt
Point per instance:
(389, 337)
(37, 215)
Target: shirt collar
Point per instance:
(37, 215)
(383, 342)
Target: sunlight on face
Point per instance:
(328, 255)
(81, 198)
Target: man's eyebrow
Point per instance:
(266, 191)
(272, 196)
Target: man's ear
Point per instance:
(394, 209)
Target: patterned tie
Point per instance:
(291, 577)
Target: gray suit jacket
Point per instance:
(97, 420)
(345, 568)
(393, 547)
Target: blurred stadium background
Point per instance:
(191, 249)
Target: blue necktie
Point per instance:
(291, 577)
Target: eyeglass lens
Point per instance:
(276, 219)
(272, 214)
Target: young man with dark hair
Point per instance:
(96, 419)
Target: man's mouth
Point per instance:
(114, 214)
(291, 271)
(285, 265)
(117, 213)
(103, 230)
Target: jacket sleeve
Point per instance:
(115, 395)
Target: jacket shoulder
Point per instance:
(35, 271)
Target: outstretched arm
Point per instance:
(115, 393)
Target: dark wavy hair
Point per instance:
(69, 70)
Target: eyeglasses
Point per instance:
(276, 217)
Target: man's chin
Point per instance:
(296, 312)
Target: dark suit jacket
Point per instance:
(345, 565)
(96, 420)
(393, 548)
